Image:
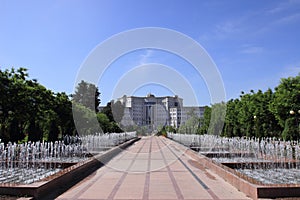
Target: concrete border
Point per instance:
(245, 184)
(58, 183)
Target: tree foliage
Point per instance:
(27, 108)
(86, 103)
(191, 125)
(87, 123)
(88, 95)
(263, 114)
(217, 119)
(114, 112)
(204, 122)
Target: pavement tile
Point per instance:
(102, 188)
(191, 189)
(126, 176)
(161, 186)
(132, 187)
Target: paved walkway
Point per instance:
(153, 168)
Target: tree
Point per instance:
(115, 128)
(23, 104)
(114, 113)
(85, 120)
(231, 127)
(87, 94)
(28, 108)
(216, 125)
(246, 114)
(12, 86)
(266, 125)
(117, 109)
(104, 122)
(53, 131)
(287, 99)
(107, 110)
(38, 102)
(62, 106)
(205, 121)
(192, 125)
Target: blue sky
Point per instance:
(253, 43)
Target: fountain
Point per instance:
(259, 167)
(38, 159)
(38, 163)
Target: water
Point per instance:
(237, 160)
(100, 142)
(274, 175)
(267, 160)
(25, 176)
(32, 161)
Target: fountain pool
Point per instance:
(262, 168)
(33, 161)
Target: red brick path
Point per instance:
(153, 168)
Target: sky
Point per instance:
(253, 44)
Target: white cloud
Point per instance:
(252, 50)
(291, 70)
(283, 6)
(285, 12)
(278, 22)
(227, 28)
(288, 19)
(144, 58)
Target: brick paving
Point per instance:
(154, 168)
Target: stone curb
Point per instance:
(245, 184)
(62, 181)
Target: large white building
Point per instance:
(154, 112)
(178, 117)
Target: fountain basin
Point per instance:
(250, 186)
(260, 165)
(227, 154)
(54, 185)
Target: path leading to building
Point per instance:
(153, 168)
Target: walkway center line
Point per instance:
(171, 175)
(117, 186)
(147, 179)
(211, 193)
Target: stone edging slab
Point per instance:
(246, 184)
(58, 183)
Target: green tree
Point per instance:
(86, 121)
(28, 108)
(231, 127)
(104, 122)
(290, 131)
(107, 110)
(23, 105)
(286, 101)
(216, 125)
(53, 131)
(62, 106)
(205, 121)
(192, 125)
(246, 114)
(88, 95)
(117, 109)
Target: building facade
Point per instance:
(178, 117)
(154, 112)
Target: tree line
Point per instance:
(30, 111)
(273, 113)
